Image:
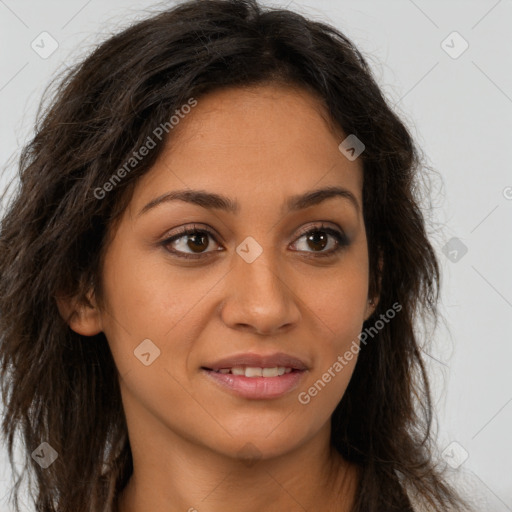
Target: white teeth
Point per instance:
(271, 372)
(254, 371)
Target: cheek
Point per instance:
(339, 322)
(338, 307)
(149, 299)
(138, 303)
(339, 299)
(151, 321)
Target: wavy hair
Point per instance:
(62, 388)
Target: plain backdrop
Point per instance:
(446, 68)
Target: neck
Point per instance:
(188, 477)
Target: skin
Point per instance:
(189, 437)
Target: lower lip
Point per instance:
(257, 388)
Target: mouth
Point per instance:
(255, 371)
(257, 377)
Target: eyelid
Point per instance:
(314, 226)
(193, 227)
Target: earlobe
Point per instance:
(370, 308)
(372, 303)
(84, 319)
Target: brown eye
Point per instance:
(189, 242)
(198, 242)
(318, 238)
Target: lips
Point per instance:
(257, 376)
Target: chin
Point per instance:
(255, 445)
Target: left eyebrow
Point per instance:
(210, 200)
(314, 197)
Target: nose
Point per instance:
(259, 298)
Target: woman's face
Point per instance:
(257, 286)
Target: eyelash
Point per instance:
(339, 236)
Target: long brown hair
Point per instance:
(61, 388)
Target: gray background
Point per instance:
(459, 108)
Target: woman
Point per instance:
(210, 275)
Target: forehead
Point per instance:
(256, 144)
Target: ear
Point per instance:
(371, 305)
(372, 302)
(83, 318)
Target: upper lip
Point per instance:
(258, 361)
